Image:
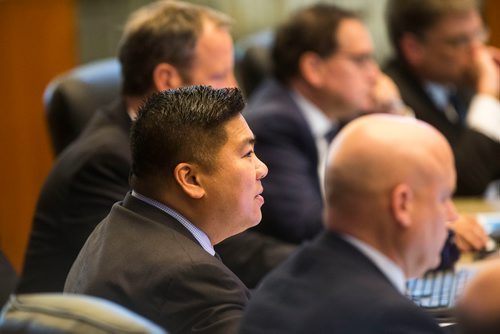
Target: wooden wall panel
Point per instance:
(37, 41)
(492, 12)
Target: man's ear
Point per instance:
(412, 48)
(402, 204)
(311, 67)
(166, 76)
(187, 177)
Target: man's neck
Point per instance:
(133, 104)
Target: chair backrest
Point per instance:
(70, 313)
(253, 60)
(71, 98)
(8, 279)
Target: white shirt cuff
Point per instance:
(484, 116)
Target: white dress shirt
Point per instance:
(320, 125)
(483, 114)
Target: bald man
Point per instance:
(479, 306)
(389, 182)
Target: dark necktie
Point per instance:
(457, 106)
(330, 134)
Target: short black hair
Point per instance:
(181, 125)
(312, 29)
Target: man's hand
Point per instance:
(386, 97)
(469, 234)
(487, 63)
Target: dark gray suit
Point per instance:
(476, 156)
(87, 179)
(328, 286)
(142, 258)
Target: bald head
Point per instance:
(387, 178)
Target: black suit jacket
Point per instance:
(85, 181)
(142, 258)
(476, 156)
(328, 286)
(293, 208)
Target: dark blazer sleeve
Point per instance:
(102, 181)
(293, 207)
(400, 319)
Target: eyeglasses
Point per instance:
(361, 60)
(464, 40)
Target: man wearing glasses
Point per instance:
(450, 79)
(324, 75)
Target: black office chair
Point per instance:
(8, 279)
(253, 62)
(71, 98)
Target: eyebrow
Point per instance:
(248, 141)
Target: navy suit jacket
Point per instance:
(142, 258)
(293, 208)
(328, 286)
(476, 156)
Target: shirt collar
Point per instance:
(438, 94)
(383, 263)
(318, 122)
(198, 234)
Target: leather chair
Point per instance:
(70, 313)
(253, 60)
(71, 98)
(8, 279)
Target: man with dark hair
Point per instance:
(193, 186)
(450, 79)
(325, 75)
(165, 45)
(386, 211)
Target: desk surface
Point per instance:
(472, 205)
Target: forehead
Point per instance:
(214, 42)
(237, 130)
(352, 35)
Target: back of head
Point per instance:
(181, 125)
(374, 153)
(163, 31)
(418, 16)
(312, 29)
(389, 182)
(479, 306)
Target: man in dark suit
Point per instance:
(193, 186)
(165, 45)
(325, 74)
(450, 79)
(387, 205)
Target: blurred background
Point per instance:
(41, 39)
